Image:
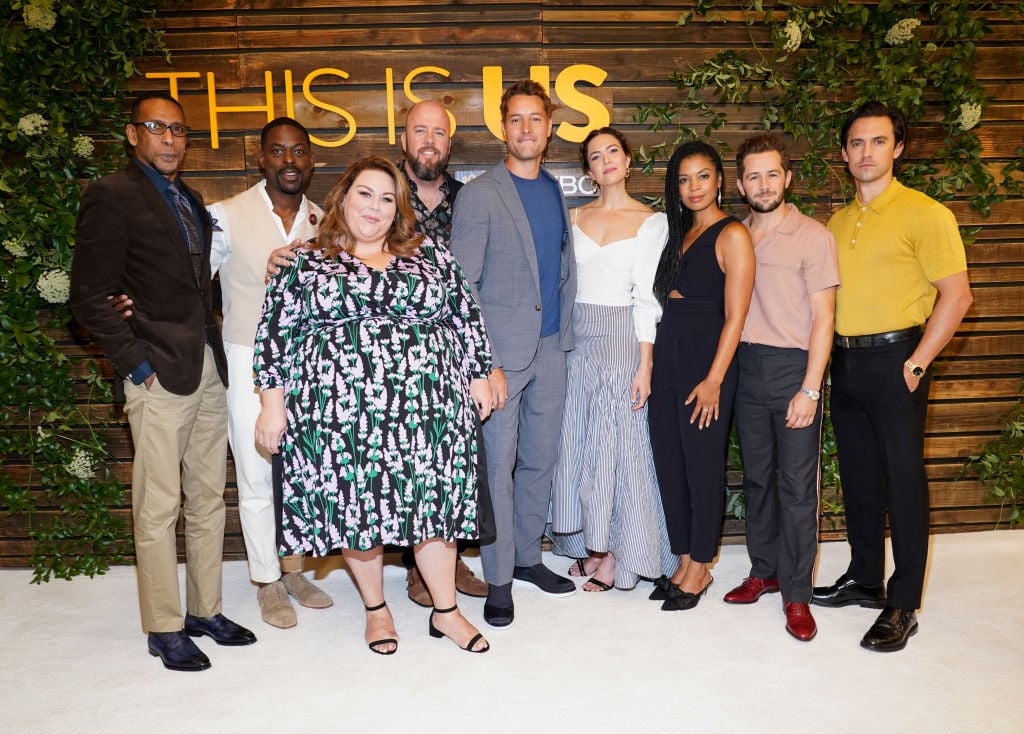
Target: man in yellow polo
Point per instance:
(903, 292)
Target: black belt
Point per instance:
(877, 340)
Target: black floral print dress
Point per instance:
(380, 446)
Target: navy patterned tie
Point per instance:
(192, 232)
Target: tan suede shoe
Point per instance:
(305, 592)
(466, 582)
(275, 608)
(417, 589)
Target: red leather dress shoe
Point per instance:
(799, 621)
(751, 590)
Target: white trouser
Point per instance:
(252, 468)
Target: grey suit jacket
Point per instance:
(492, 241)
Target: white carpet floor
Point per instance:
(73, 659)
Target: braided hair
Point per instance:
(680, 219)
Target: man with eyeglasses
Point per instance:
(143, 232)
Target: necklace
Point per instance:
(286, 218)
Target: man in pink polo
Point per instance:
(783, 354)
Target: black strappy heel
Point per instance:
(376, 645)
(435, 632)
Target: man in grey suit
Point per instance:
(511, 236)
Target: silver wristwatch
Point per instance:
(812, 394)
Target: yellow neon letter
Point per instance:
(565, 87)
(211, 93)
(351, 121)
(173, 77)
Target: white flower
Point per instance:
(40, 15)
(15, 247)
(901, 32)
(33, 124)
(793, 36)
(82, 146)
(81, 465)
(970, 115)
(54, 286)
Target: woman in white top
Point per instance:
(606, 508)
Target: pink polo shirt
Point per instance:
(797, 259)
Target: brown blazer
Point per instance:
(130, 242)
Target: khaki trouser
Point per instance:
(180, 447)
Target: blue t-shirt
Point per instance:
(542, 200)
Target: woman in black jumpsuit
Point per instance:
(704, 283)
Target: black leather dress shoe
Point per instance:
(891, 630)
(499, 617)
(544, 579)
(499, 611)
(220, 628)
(846, 591)
(177, 651)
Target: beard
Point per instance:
(285, 186)
(766, 206)
(427, 171)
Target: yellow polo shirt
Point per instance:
(890, 253)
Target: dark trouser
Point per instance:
(879, 427)
(781, 469)
(689, 462)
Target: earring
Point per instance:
(719, 198)
(627, 173)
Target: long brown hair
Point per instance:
(334, 235)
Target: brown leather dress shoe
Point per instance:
(466, 582)
(891, 630)
(799, 621)
(751, 590)
(417, 590)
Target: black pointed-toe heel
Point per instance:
(435, 632)
(662, 586)
(679, 600)
(377, 645)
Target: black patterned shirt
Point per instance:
(436, 224)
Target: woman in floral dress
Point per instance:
(370, 360)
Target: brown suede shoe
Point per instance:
(417, 589)
(304, 591)
(466, 582)
(275, 608)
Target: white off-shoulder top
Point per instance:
(621, 273)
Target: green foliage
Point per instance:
(1000, 465)
(831, 498)
(824, 60)
(63, 72)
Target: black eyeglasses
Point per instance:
(157, 128)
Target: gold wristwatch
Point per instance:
(915, 369)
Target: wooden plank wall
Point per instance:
(637, 44)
